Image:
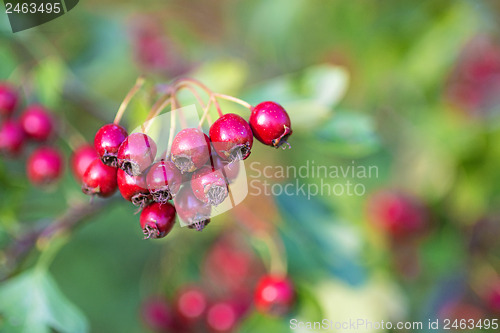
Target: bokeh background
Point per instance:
(412, 88)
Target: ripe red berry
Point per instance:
(274, 295)
(37, 122)
(270, 124)
(190, 149)
(398, 214)
(493, 298)
(81, 159)
(222, 317)
(209, 186)
(8, 99)
(133, 188)
(232, 137)
(163, 181)
(193, 212)
(191, 303)
(230, 170)
(136, 153)
(157, 315)
(107, 141)
(99, 179)
(44, 166)
(11, 137)
(157, 220)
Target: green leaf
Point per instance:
(49, 77)
(308, 96)
(32, 303)
(260, 323)
(351, 134)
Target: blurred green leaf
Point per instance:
(32, 303)
(7, 60)
(260, 323)
(49, 77)
(224, 75)
(351, 134)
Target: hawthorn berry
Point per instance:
(191, 303)
(274, 295)
(163, 181)
(37, 122)
(190, 149)
(11, 137)
(107, 142)
(193, 212)
(222, 317)
(8, 99)
(133, 188)
(232, 137)
(44, 166)
(398, 214)
(136, 153)
(157, 220)
(81, 159)
(209, 186)
(157, 314)
(270, 124)
(230, 170)
(99, 179)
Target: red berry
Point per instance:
(37, 122)
(99, 179)
(157, 315)
(229, 169)
(222, 317)
(191, 303)
(157, 220)
(193, 212)
(44, 166)
(493, 298)
(209, 186)
(270, 124)
(232, 137)
(190, 149)
(163, 181)
(8, 99)
(107, 141)
(81, 159)
(136, 153)
(398, 214)
(274, 295)
(11, 137)
(133, 188)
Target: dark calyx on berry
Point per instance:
(195, 213)
(107, 142)
(209, 186)
(163, 181)
(99, 179)
(271, 124)
(157, 220)
(232, 137)
(133, 188)
(190, 149)
(136, 153)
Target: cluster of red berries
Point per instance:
(45, 163)
(195, 174)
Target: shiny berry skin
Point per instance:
(270, 124)
(231, 137)
(99, 179)
(133, 188)
(191, 303)
(107, 141)
(274, 295)
(37, 122)
(163, 181)
(209, 186)
(193, 212)
(230, 170)
(222, 317)
(190, 149)
(398, 214)
(44, 166)
(8, 99)
(157, 314)
(136, 153)
(11, 137)
(157, 220)
(81, 159)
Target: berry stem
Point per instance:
(123, 106)
(155, 111)
(206, 108)
(234, 99)
(173, 113)
(192, 81)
